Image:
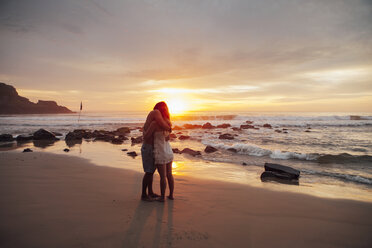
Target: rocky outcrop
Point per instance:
(280, 173)
(191, 152)
(224, 125)
(210, 149)
(43, 134)
(247, 126)
(208, 126)
(226, 136)
(6, 137)
(12, 103)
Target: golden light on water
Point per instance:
(177, 167)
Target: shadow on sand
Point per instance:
(147, 225)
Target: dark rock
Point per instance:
(23, 138)
(6, 137)
(307, 131)
(208, 126)
(249, 122)
(210, 149)
(103, 136)
(172, 136)
(73, 142)
(176, 128)
(66, 150)
(117, 141)
(74, 136)
(176, 150)
(278, 131)
(184, 137)
(124, 150)
(179, 133)
(12, 103)
(282, 169)
(27, 150)
(232, 150)
(191, 126)
(122, 137)
(244, 163)
(308, 127)
(137, 140)
(226, 136)
(285, 129)
(123, 130)
(132, 154)
(43, 134)
(224, 125)
(285, 132)
(43, 143)
(267, 125)
(191, 152)
(246, 126)
(236, 129)
(278, 177)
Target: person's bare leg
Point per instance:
(163, 183)
(151, 192)
(170, 180)
(145, 183)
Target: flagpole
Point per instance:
(81, 107)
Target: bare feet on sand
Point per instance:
(147, 198)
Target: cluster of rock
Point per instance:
(280, 173)
(12, 103)
(75, 137)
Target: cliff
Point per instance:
(12, 103)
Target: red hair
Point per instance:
(163, 108)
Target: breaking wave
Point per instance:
(254, 150)
(344, 177)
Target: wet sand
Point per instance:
(51, 200)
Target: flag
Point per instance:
(81, 106)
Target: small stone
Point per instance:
(66, 150)
(124, 150)
(176, 150)
(267, 125)
(244, 163)
(27, 150)
(132, 154)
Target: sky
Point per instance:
(236, 55)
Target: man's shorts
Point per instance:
(148, 161)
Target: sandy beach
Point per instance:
(51, 200)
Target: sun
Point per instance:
(177, 106)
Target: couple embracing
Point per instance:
(157, 153)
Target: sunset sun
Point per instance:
(177, 106)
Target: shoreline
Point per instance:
(111, 155)
(51, 200)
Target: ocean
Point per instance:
(330, 149)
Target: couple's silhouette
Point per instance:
(157, 153)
